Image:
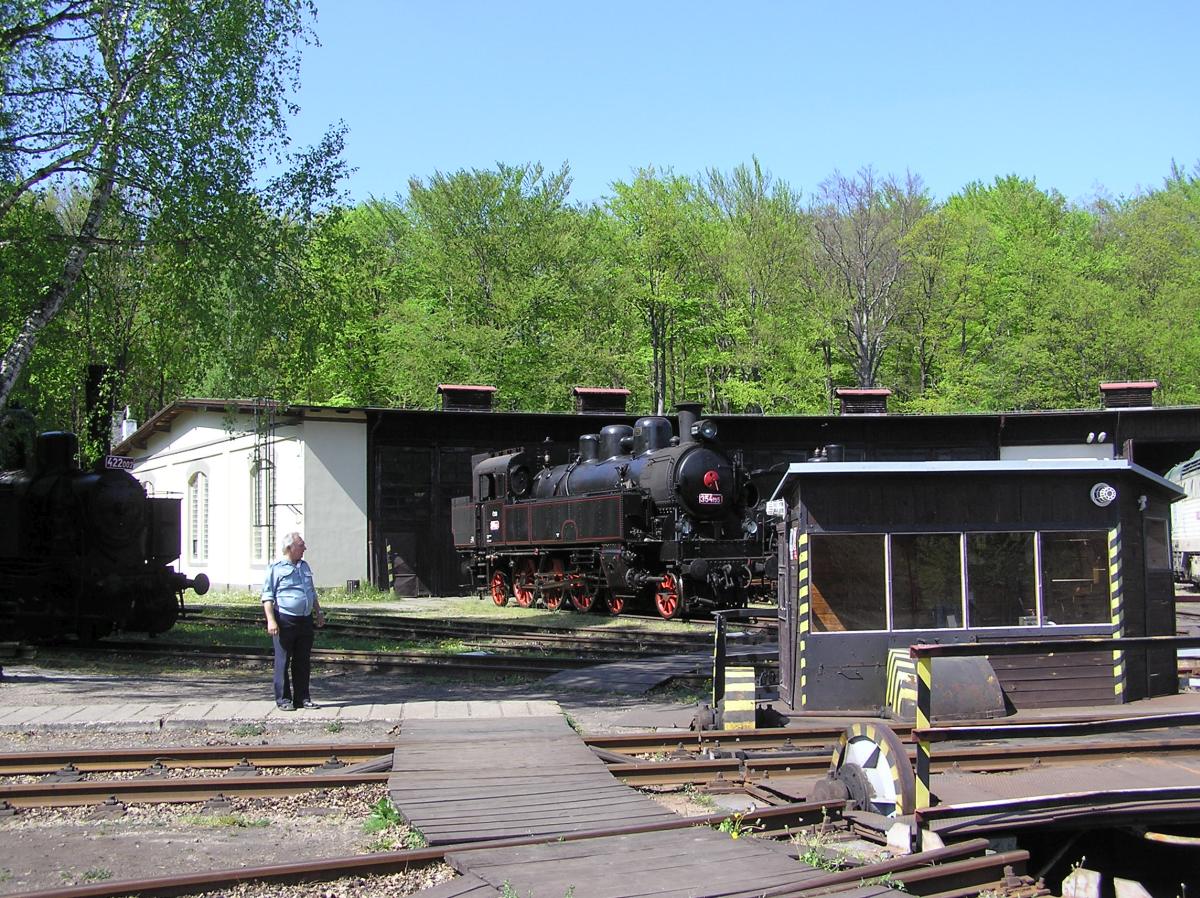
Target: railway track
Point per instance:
(378, 625)
(188, 757)
(531, 665)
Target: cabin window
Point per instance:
(1075, 577)
(927, 581)
(1001, 580)
(1158, 545)
(849, 583)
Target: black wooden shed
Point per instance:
(884, 555)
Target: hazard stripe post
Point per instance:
(737, 711)
(924, 715)
(803, 613)
(1117, 602)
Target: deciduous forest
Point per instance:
(156, 251)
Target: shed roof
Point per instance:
(1034, 466)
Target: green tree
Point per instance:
(169, 105)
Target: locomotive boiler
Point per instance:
(84, 553)
(639, 516)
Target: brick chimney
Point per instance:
(600, 400)
(856, 401)
(1128, 394)
(466, 397)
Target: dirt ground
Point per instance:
(51, 849)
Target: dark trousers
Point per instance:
(293, 646)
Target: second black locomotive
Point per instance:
(83, 553)
(639, 516)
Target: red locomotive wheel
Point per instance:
(499, 588)
(552, 594)
(583, 594)
(523, 578)
(666, 599)
(616, 604)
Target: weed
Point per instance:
(243, 730)
(887, 879)
(573, 723)
(507, 891)
(736, 827)
(383, 844)
(818, 852)
(5, 874)
(692, 794)
(383, 816)
(334, 726)
(817, 858)
(96, 874)
(415, 839)
(234, 820)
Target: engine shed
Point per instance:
(879, 556)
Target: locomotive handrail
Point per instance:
(926, 734)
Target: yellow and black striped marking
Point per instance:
(737, 709)
(901, 683)
(803, 615)
(1116, 599)
(924, 715)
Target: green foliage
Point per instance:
(234, 821)
(96, 874)
(334, 726)
(383, 816)
(736, 827)
(726, 288)
(245, 730)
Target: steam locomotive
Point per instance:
(639, 517)
(85, 552)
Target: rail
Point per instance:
(926, 734)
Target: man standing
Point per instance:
(290, 604)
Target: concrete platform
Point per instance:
(142, 716)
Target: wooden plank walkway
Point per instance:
(682, 863)
(466, 780)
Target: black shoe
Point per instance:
(285, 705)
(309, 703)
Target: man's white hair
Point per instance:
(288, 539)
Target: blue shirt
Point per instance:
(290, 587)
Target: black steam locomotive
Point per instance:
(639, 516)
(85, 552)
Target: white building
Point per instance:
(250, 472)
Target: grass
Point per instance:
(96, 874)
(235, 821)
(334, 726)
(383, 816)
(244, 730)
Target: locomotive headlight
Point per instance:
(704, 430)
(750, 526)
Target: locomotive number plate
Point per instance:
(710, 498)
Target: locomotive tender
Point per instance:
(638, 516)
(85, 552)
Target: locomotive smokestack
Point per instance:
(689, 413)
(55, 452)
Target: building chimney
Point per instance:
(862, 401)
(1128, 394)
(466, 397)
(600, 400)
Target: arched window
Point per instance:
(198, 517)
(262, 514)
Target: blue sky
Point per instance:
(1084, 97)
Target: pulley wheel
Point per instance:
(871, 762)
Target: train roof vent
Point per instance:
(466, 397)
(1128, 394)
(602, 400)
(859, 401)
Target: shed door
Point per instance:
(787, 614)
